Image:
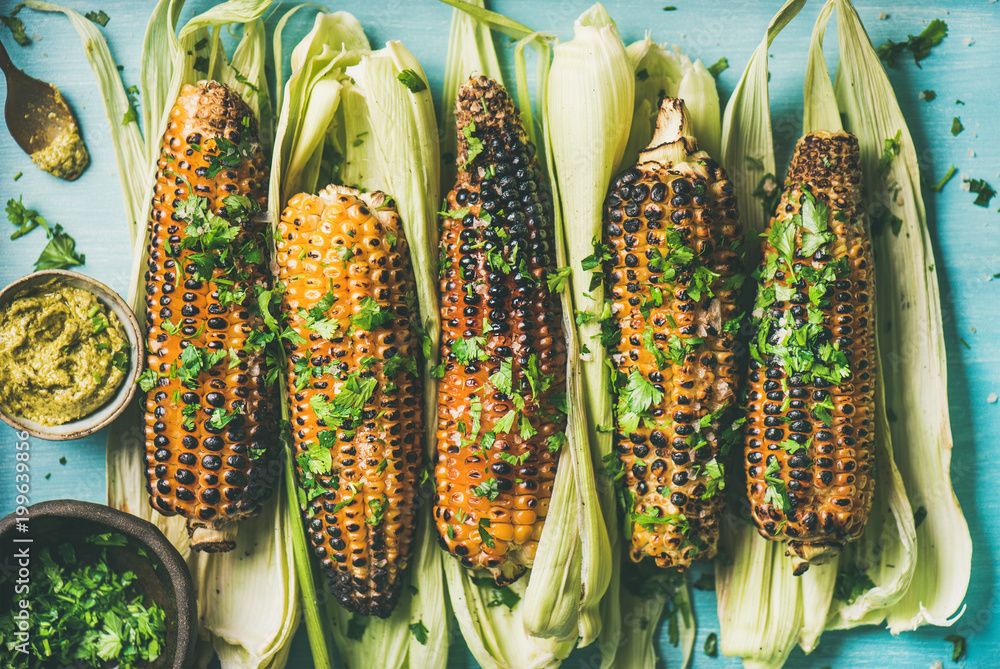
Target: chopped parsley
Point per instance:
(635, 400)
(475, 146)
(851, 583)
(920, 46)
(944, 180)
(984, 192)
(419, 630)
(16, 29)
(99, 17)
(70, 582)
(958, 646)
(371, 315)
(890, 149)
(956, 126)
(412, 81)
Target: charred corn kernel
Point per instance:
(674, 274)
(354, 388)
(209, 419)
(501, 415)
(810, 409)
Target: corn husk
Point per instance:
(910, 329)
(907, 587)
(343, 99)
(664, 71)
(591, 94)
(247, 599)
(759, 601)
(570, 570)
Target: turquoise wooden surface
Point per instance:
(967, 237)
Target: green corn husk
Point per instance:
(758, 585)
(886, 552)
(667, 71)
(247, 599)
(591, 94)
(907, 297)
(347, 119)
(571, 569)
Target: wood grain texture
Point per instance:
(967, 237)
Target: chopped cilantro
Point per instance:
(944, 180)
(958, 646)
(419, 630)
(371, 315)
(16, 29)
(851, 583)
(475, 147)
(920, 46)
(412, 81)
(984, 192)
(956, 126)
(98, 17)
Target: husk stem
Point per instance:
(345, 102)
(258, 576)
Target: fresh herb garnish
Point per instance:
(69, 584)
(920, 46)
(60, 252)
(99, 17)
(412, 81)
(16, 29)
(475, 146)
(956, 126)
(984, 192)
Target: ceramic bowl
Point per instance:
(163, 575)
(101, 417)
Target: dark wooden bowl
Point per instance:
(168, 584)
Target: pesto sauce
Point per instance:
(63, 354)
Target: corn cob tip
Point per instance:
(209, 540)
(804, 554)
(672, 140)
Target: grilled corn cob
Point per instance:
(674, 274)
(810, 413)
(354, 388)
(209, 421)
(501, 401)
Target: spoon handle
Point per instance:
(6, 65)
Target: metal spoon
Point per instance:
(42, 124)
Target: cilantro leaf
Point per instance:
(475, 147)
(16, 29)
(984, 192)
(371, 315)
(98, 17)
(920, 46)
(412, 81)
(60, 252)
